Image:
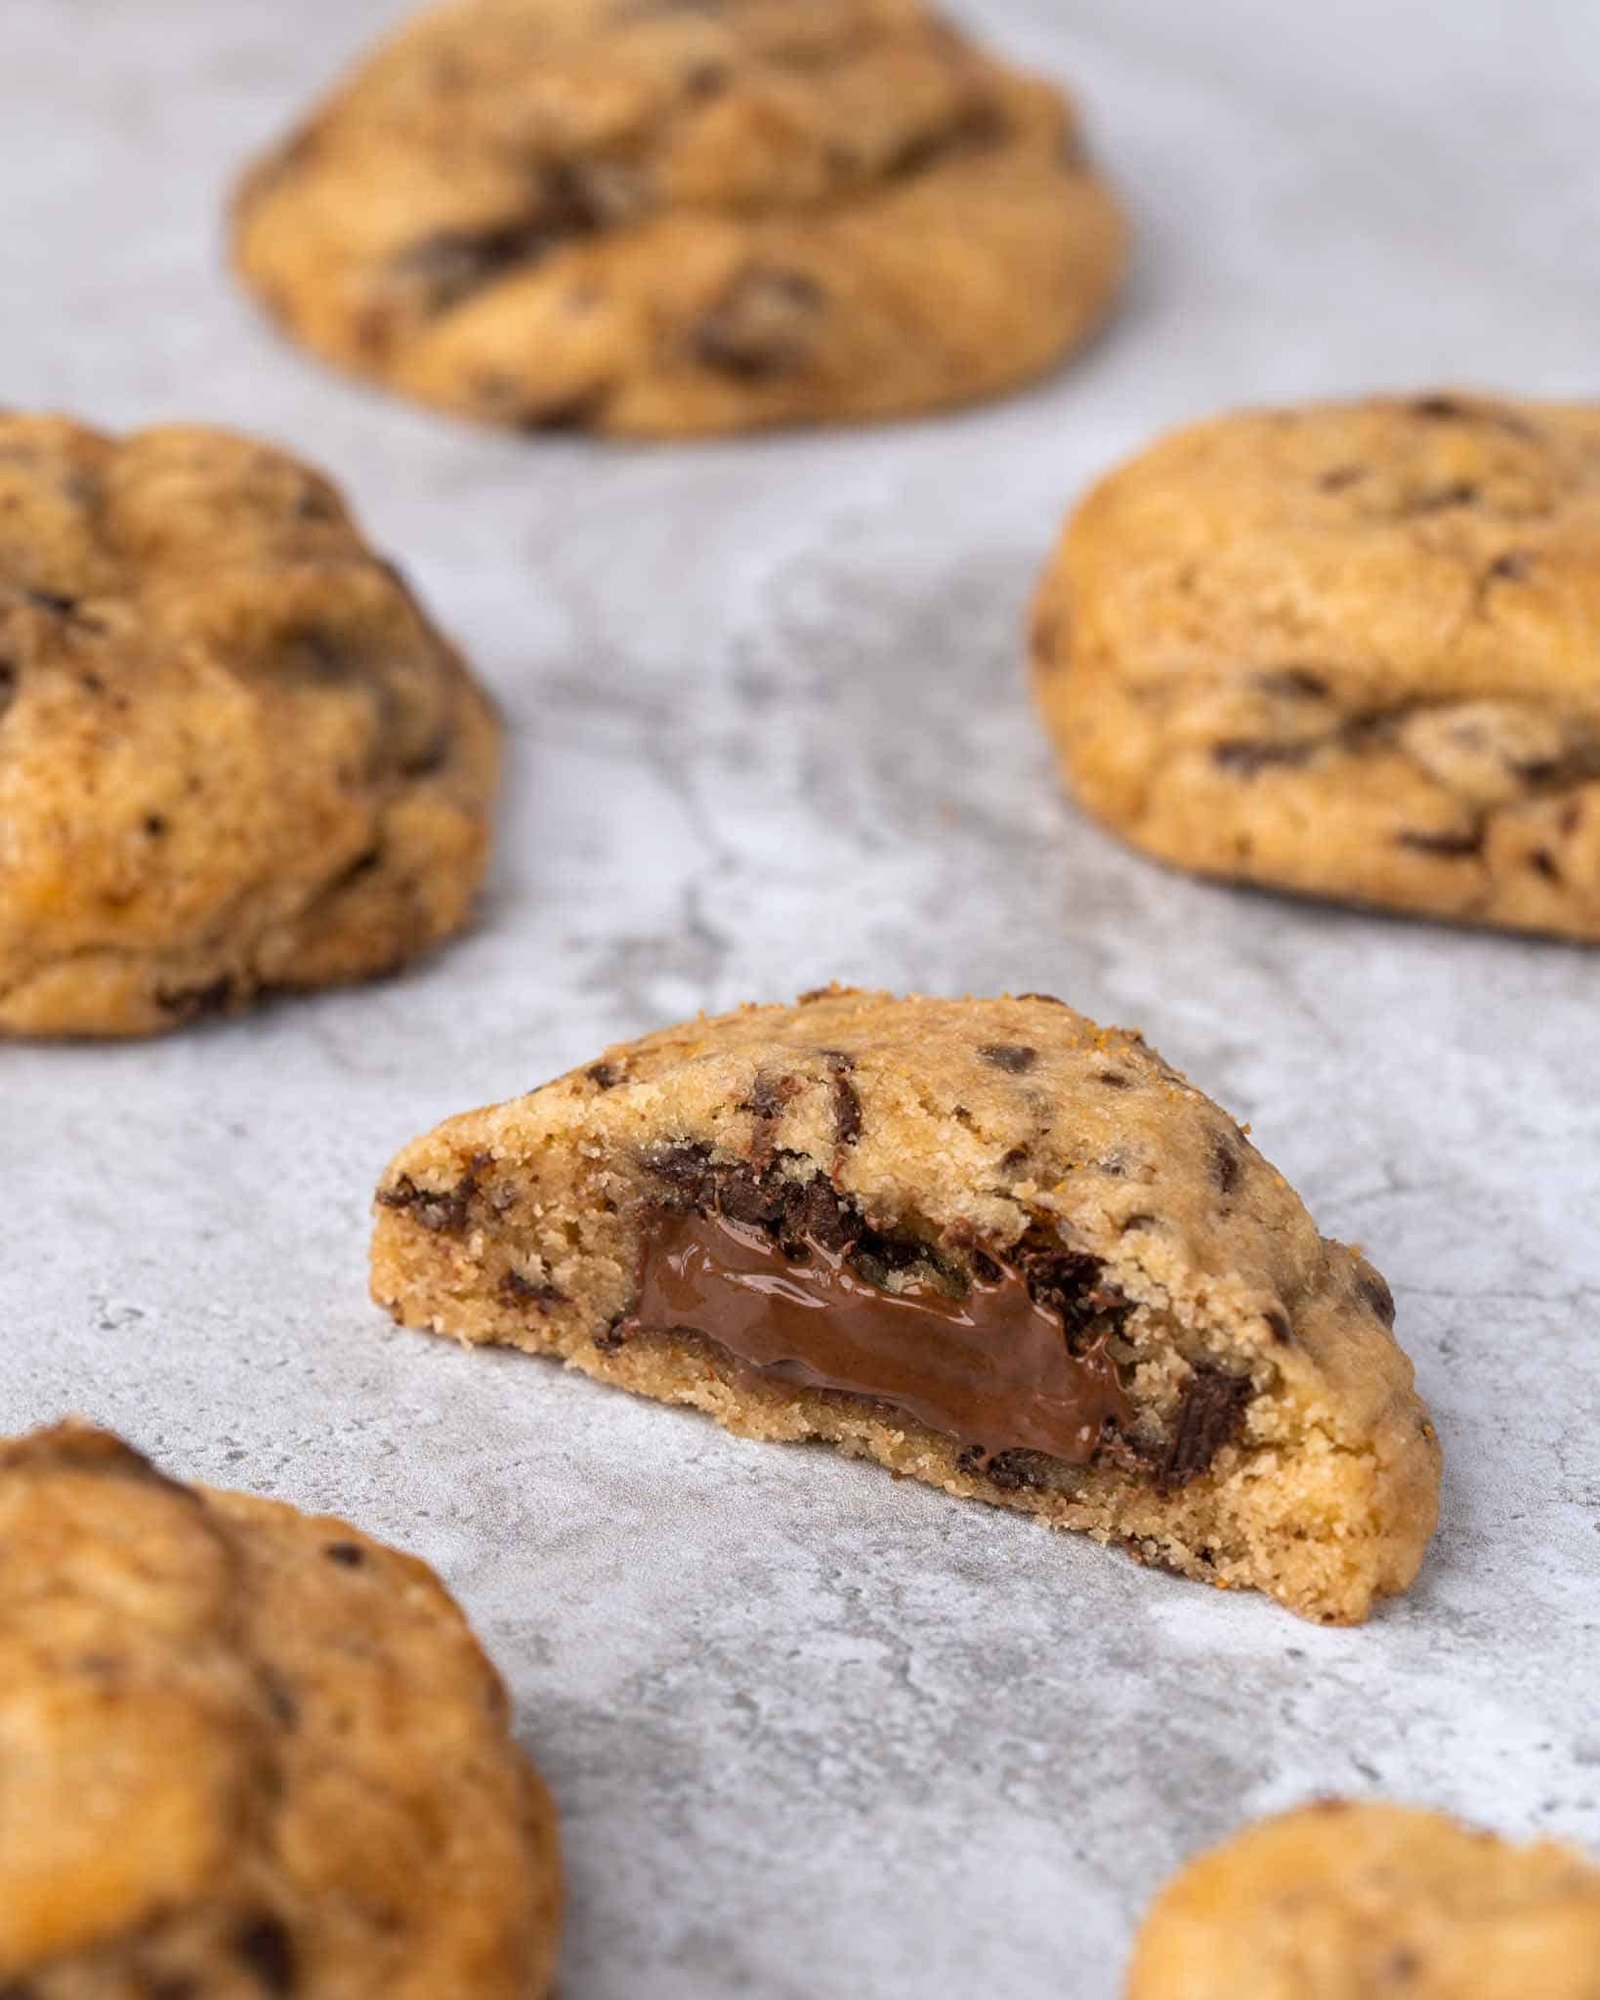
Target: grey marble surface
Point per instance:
(814, 1732)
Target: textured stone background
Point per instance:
(813, 1732)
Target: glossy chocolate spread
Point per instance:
(991, 1368)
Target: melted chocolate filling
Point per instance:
(994, 1367)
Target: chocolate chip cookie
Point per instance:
(234, 753)
(248, 1753)
(1351, 650)
(669, 217)
(1347, 1902)
(984, 1242)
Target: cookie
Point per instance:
(234, 753)
(984, 1242)
(671, 217)
(1350, 650)
(1347, 1902)
(249, 1754)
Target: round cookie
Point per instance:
(1346, 1902)
(671, 217)
(984, 1242)
(234, 753)
(249, 1754)
(1350, 650)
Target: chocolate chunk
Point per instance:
(1449, 846)
(846, 1103)
(1013, 1057)
(980, 129)
(604, 1075)
(8, 684)
(52, 601)
(1073, 1286)
(1293, 681)
(349, 1555)
(443, 1213)
(1226, 1163)
(193, 1003)
(768, 1096)
(1113, 1079)
(1010, 1471)
(761, 326)
(1247, 755)
(1279, 1326)
(1439, 499)
(1008, 1163)
(1210, 1416)
(156, 825)
(1375, 1290)
(1544, 863)
(265, 1948)
(517, 1290)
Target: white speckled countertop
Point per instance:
(813, 1732)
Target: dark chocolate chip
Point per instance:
(1439, 499)
(8, 684)
(761, 326)
(1227, 1164)
(1293, 681)
(846, 1102)
(517, 1290)
(349, 1555)
(1248, 755)
(1209, 1417)
(1375, 1290)
(1009, 1162)
(1016, 1058)
(1447, 409)
(1544, 863)
(444, 1213)
(1009, 1471)
(52, 601)
(1448, 846)
(1515, 566)
(264, 1946)
(1278, 1323)
(604, 1075)
(1049, 999)
(1113, 1079)
(980, 129)
(193, 1003)
(156, 825)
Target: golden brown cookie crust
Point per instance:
(1280, 1444)
(1346, 1902)
(653, 218)
(234, 753)
(1348, 650)
(240, 1742)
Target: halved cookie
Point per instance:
(1346, 1902)
(984, 1242)
(665, 217)
(249, 1754)
(1350, 650)
(234, 752)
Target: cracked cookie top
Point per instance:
(234, 753)
(249, 1753)
(672, 216)
(1350, 650)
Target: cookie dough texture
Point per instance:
(1351, 1902)
(248, 1754)
(234, 753)
(1278, 1443)
(662, 218)
(1349, 650)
